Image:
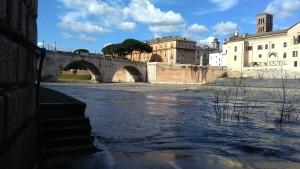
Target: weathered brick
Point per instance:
(13, 14)
(8, 61)
(11, 119)
(30, 145)
(31, 66)
(22, 65)
(16, 105)
(3, 10)
(23, 19)
(1, 120)
(32, 29)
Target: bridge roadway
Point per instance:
(102, 69)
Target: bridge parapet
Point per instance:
(100, 66)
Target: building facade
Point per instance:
(173, 50)
(217, 58)
(264, 51)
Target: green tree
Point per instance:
(127, 47)
(78, 51)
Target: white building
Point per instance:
(265, 54)
(217, 58)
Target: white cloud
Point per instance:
(225, 28)
(143, 11)
(283, 8)
(195, 31)
(107, 14)
(160, 29)
(66, 35)
(107, 44)
(223, 5)
(196, 28)
(206, 41)
(86, 38)
(40, 44)
(128, 26)
(82, 27)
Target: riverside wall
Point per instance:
(183, 74)
(18, 129)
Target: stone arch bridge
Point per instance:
(102, 69)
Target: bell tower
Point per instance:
(264, 23)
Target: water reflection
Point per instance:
(176, 126)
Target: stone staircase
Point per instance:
(65, 131)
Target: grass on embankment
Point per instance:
(74, 77)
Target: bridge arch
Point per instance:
(82, 64)
(127, 74)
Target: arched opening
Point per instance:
(80, 70)
(156, 58)
(127, 74)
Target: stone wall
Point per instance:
(18, 130)
(275, 72)
(183, 74)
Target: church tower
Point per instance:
(264, 23)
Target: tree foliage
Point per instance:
(126, 47)
(78, 51)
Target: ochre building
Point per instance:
(173, 50)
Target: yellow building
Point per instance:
(173, 50)
(260, 54)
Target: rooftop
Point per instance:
(260, 34)
(168, 39)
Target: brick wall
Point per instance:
(18, 131)
(183, 74)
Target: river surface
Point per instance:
(175, 127)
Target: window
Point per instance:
(249, 48)
(259, 47)
(295, 53)
(266, 46)
(284, 44)
(273, 46)
(295, 64)
(235, 48)
(235, 58)
(298, 39)
(259, 56)
(284, 55)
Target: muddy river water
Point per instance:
(174, 126)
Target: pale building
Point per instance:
(173, 50)
(264, 51)
(217, 58)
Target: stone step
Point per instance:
(56, 114)
(62, 142)
(64, 122)
(48, 133)
(75, 150)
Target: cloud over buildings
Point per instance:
(223, 5)
(128, 26)
(225, 28)
(283, 8)
(81, 14)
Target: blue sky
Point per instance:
(92, 24)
